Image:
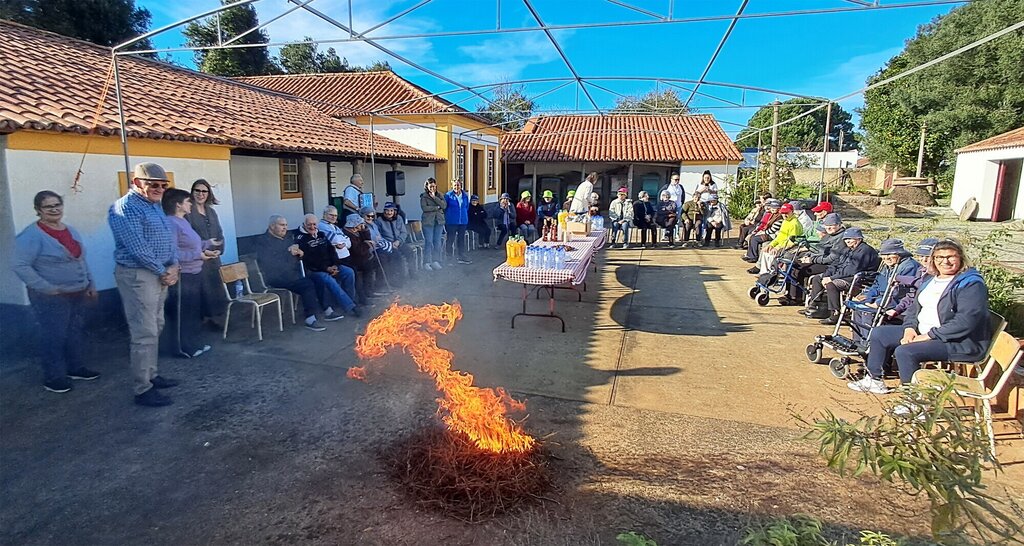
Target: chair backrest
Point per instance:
(1006, 351)
(255, 275)
(415, 230)
(229, 273)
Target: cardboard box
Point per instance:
(578, 228)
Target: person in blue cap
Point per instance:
(838, 278)
(911, 283)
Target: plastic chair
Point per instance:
(1006, 353)
(231, 274)
(260, 285)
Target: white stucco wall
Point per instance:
(690, 175)
(422, 136)
(31, 171)
(976, 175)
(258, 192)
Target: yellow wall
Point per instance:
(76, 143)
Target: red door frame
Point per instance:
(998, 197)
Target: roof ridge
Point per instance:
(318, 74)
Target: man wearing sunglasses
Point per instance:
(146, 259)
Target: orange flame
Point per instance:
(479, 413)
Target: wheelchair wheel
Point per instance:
(813, 352)
(763, 298)
(840, 367)
(754, 291)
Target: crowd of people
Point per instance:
(168, 243)
(931, 305)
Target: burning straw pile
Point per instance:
(483, 464)
(445, 471)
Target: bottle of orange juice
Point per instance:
(521, 253)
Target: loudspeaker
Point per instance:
(396, 182)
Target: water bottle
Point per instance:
(561, 256)
(549, 258)
(531, 257)
(238, 289)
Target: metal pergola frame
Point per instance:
(583, 83)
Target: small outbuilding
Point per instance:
(990, 172)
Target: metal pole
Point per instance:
(757, 169)
(842, 134)
(373, 161)
(825, 147)
(773, 184)
(920, 150)
(121, 120)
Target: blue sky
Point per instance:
(826, 55)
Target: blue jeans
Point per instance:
(528, 232)
(624, 228)
(457, 238)
(885, 344)
(60, 328)
(331, 285)
(433, 249)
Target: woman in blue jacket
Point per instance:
(456, 219)
(948, 321)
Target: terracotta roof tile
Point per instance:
(1009, 139)
(636, 138)
(50, 82)
(357, 93)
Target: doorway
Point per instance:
(477, 185)
(1007, 188)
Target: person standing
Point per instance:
(186, 295)
(676, 194)
(205, 222)
(49, 258)
(433, 204)
(707, 185)
(581, 196)
(147, 264)
(456, 217)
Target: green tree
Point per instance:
(665, 103)
(103, 22)
(805, 133)
(510, 107)
(252, 61)
(306, 58)
(977, 95)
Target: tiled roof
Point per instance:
(635, 138)
(50, 82)
(1009, 139)
(357, 93)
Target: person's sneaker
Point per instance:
(625, 246)
(437, 265)
(831, 320)
(869, 384)
(60, 385)
(153, 399)
(315, 326)
(786, 302)
(754, 270)
(355, 312)
(428, 266)
(83, 374)
(159, 382)
(465, 261)
(748, 259)
(333, 317)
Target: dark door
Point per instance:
(1007, 188)
(478, 174)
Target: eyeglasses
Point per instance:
(156, 184)
(52, 207)
(948, 259)
(200, 191)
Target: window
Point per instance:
(490, 169)
(290, 178)
(460, 162)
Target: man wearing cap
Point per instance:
(784, 239)
(392, 229)
(278, 256)
(547, 208)
(620, 213)
(325, 268)
(693, 218)
(676, 193)
(828, 250)
(766, 230)
(859, 257)
(716, 219)
(146, 257)
(456, 219)
(505, 216)
(911, 283)
(896, 261)
(526, 214)
(478, 222)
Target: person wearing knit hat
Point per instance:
(478, 223)
(665, 216)
(860, 258)
(909, 283)
(353, 220)
(896, 262)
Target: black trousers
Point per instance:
(718, 235)
(183, 307)
(305, 289)
(483, 233)
(691, 226)
(801, 272)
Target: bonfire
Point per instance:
(482, 463)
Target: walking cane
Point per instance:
(381, 266)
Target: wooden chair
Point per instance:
(1006, 354)
(231, 274)
(416, 241)
(259, 284)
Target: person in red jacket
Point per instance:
(526, 214)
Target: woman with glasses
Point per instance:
(433, 204)
(49, 258)
(947, 321)
(203, 219)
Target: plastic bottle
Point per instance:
(510, 252)
(238, 289)
(529, 257)
(562, 256)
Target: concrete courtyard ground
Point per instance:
(666, 407)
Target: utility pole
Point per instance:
(773, 181)
(920, 150)
(841, 135)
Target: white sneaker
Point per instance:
(869, 384)
(428, 266)
(437, 265)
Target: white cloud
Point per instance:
(503, 58)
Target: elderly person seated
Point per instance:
(860, 257)
(620, 214)
(361, 258)
(910, 284)
(505, 219)
(784, 239)
(715, 218)
(341, 243)
(278, 257)
(766, 229)
(666, 217)
(896, 261)
(325, 268)
(693, 217)
(948, 321)
(478, 222)
(643, 218)
(392, 229)
(830, 248)
(752, 219)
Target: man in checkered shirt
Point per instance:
(146, 255)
